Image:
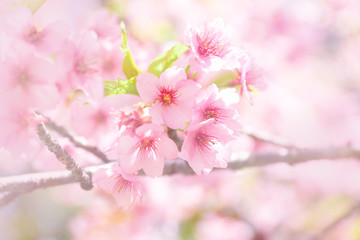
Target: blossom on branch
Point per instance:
(125, 188)
(147, 149)
(172, 95)
(210, 47)
(205, 146)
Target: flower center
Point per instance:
(209, 46)
(23, 79)
(33, 35)
(205, 142)
(100, 117)
(121, 184)
(147, 144)
(167, 96)
(212, 112)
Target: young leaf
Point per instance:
(120, 87)
(33, 5)
(166, 59)
(129, 66)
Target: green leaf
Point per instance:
(188, 227)
(166, 59)
(129, 66)
(224, 79)
(33, 5)
(120, 87)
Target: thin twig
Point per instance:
(64, 133)
(64, 157)
(266, 137)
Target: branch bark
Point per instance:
(29, 182)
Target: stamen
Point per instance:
(205, 142)
(210, 46)
(167, 96)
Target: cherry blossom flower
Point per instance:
(210, 47)
(80, 64)
(129, 122)
(47, 38)
(111, 61)
(214, 104)
(173, 95)
(18, 124)
(205, 146)
(147, 150)
(29, 76)
(125, 188)
(94, 118)
(250, 78)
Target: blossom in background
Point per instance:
(29, 76)
(47, 38)
(205, 146)
(91, 118)
(125, 188)
(173, 96)
(214, 104)
(250, 78)
(79, 61)
(147, 150)
(210, 47)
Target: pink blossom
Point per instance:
(18, 128)
(129, 122)
(104, 24)
(250, 78)
(29, 76)
(173, 95)
(210, 46)
(111, 61)
(205, 146)
(47, 38)
(79, 61)
(94, 119)
(125, 188)
(146, 150)
(212, 104)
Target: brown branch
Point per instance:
(64, 157)
(266, 137)
(29, 182)
(64, 133)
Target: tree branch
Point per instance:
(266, 137)
(64, 133)
(29, 182)
(64, 157)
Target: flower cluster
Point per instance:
(91, 76)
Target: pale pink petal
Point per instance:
(154, 165)
(168, 148)
(156, 113)
(171, 76)
(176, 116)
(103, 180)
(146, 86)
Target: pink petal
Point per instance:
(168, 148)
(103, 180)
(154, 165)
(146, 86)
(171, 76)
(156, 113)
(176, 116)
